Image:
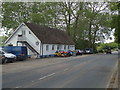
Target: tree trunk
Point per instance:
(68, 21)
(93, 43)
(89, 34)
(75, 28)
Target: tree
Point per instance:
(102, 47)
(115, 8)
(84, 22)
(15, 13)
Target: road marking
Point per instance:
(66, 69)
(42, 77)
(51, 74)
(113, 75)
(18, 87)
(46, 76)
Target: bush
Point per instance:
(103, 47)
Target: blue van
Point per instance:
(19, 51)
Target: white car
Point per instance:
(9, 57)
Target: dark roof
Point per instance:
(49, 35)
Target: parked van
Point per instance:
(19, 51)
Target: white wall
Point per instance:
(13, 39)
(50, 51)
(31, 38)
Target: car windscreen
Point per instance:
(87, 49)
(2, 52)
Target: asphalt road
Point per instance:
(92, 71)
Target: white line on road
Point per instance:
(66, 69)
(18, 87)
(46, 76)
(51, 74)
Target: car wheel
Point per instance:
(2, 61)
(5, 60)
(12, 61)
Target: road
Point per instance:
(87, 71)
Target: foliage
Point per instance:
(84, 22)
(102, 47)
(115, 8)
(2, 39)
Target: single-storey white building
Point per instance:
(40, 40)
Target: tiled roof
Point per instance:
(50, 35)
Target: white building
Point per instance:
(40, 40)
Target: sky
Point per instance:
(112, 36)
(2, 32)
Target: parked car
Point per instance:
(108, 51)
(19, 51)
(88, 51)
(79, 52)
(7, 57)
(61, 53)
(2, 58)
(69, 53)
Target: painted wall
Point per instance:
(30, 38)
(50, 51)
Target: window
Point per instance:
(29, 32)
(59, 47)
(64, 47)
(37, 43)
(23, 32)
(47, 47)
(52, 47)
(68, 47)
(72, 46)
